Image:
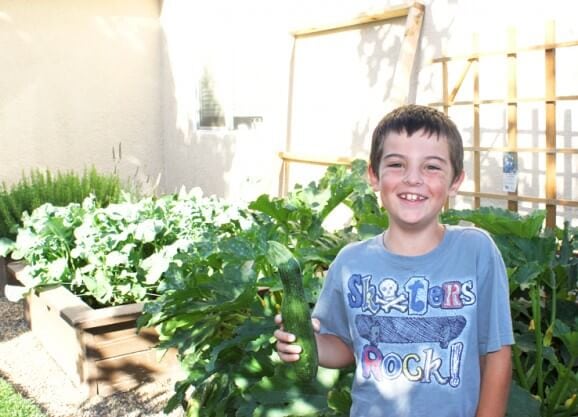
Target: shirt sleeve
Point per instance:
(494, 318)
(331, 308)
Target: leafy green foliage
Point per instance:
(542, 267)
(116, 254)
(39, 187)
(218, 304)
(202, 268)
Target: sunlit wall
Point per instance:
(322, 95)
(79, 79)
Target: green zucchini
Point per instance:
(295, 310)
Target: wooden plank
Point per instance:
(120, 339)
(362, 19)
(552, 151)
(456, 89)
(78, 337)
(524, 198)
(445, 105)
(507, 101)
(512, 107)
(99, 317)
(123, 373)
(62, 342)
(550, 74)
(284, 178)
(75, 311)
(406, 59)
(497, 52)
(476, 122)
(445, 88)
(414, 13)
(477, 134)
(314, 160)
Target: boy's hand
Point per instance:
(287, 350)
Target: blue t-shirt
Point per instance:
(418, 324)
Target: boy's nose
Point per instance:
(413, 177)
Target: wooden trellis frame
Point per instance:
(512, 100)
(413, 13)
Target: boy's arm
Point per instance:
(333, 352)
(496, 369)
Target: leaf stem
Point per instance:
(519, 368)
(537, 317)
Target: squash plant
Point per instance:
(218, 303)
(201, 266)
(219, 299)
(542, 267)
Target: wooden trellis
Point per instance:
(413, 12)
(511, 100)
(550, 98)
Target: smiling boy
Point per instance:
(421, 309)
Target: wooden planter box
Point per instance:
(98, 349)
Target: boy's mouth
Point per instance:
(412, 197)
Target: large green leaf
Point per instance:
(499, 221)
(521, 403)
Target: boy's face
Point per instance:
(415, 178)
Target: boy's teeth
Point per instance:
(412, 197)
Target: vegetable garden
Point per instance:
(204, 270)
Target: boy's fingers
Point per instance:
(288, 357)
(288, 348)
(288, 352)
(284, 337)
(278, 319)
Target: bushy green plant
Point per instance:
(60, 189)
(542, 267)
(201, 267)
(116, 254)
(218, 303)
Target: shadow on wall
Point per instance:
(374, 39)
(191, 158)
(384, 55)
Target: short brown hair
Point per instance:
(411, 118)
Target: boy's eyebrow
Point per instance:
(398, 155)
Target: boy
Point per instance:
(423, 308)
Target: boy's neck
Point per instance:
(409, 242)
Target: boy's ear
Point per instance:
(456, 184)
(373, 179)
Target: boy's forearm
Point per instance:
(496, 368)
(333, 352)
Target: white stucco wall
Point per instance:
(342, 86)
(80, 79)
(77, 80)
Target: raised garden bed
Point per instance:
(98, 349)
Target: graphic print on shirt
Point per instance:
(392, 317)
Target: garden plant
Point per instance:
(60, 189)
(211, 290)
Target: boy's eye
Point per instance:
(394, 165)
(433, 168)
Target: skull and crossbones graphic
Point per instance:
(389, 298)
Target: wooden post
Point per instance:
(512, 105)
(476, 125)
(406, 59)
(284, 179)
(550, 73)
(413, 11)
